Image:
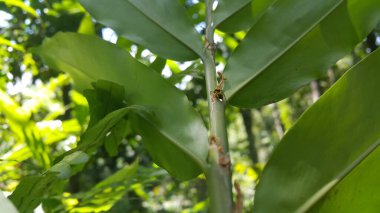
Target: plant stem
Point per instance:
(218, 173)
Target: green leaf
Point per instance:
(234, 16)
(104, 98)
(174, 123)
(320, 155)
(28, 194)
(20, 4)
(231, 16)
(64, 167)
(227, 8)
(161, 26)
(95, 136)
(364, 197)
(86, 25)
(118, 133)
(293, 43)
(106, 193)
(158, 64)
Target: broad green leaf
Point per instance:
(6, 205)
(161, 26)
(360, 185)
(293, 43)
(326, 146)
(174, 123)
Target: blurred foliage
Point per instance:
(41, 117)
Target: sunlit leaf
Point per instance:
(15, 46)
(21, 4)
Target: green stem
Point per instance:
(218, 173)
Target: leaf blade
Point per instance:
(302, 161)
(156, 25)
(86, 58)
(279, 69)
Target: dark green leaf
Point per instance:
(158, 64)
(161, 26)
(117, 134)
(227, 9)
(103, 99)
(64, 167)
(326, 146)
(29, 192)
(174, 123)
(293, 43)
(95, 136)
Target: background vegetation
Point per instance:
(42, 116)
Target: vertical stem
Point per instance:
(218, 173)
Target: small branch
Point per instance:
(279, 127)
(315, 91)
(238, 208)
(247, 120)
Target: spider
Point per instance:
(218, 91)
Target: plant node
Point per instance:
(218, 93)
